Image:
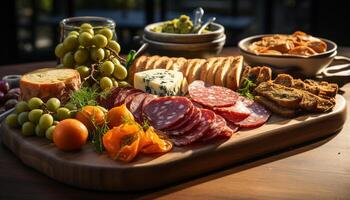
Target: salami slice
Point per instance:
(164, 112)
(125, 92)
(235, 113)
(227, 132)
(135, 106)
(129, 98)
(259, 115)
(198, 131)
(192, 122)
(211, 95)
(108, 101)
(184, 121)
(215, 129)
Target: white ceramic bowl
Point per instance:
(309, 66)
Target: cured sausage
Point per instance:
(164, 112)
(192, 122)
(198, 131)
(235, 113)
(211, 95)
(259, 115)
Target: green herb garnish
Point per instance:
(84, 97)
(96, 137)
(130, 58)
(247, 88)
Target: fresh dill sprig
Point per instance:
(84, 97)
(97, 136)
(247, 88)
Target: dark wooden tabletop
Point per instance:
(317, 170)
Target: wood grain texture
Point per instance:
(89, 170)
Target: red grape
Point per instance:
(4, 86)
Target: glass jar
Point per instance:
(73, 24)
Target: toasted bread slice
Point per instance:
(169, 63)
(186, 68)
(195, 70)
(151, 60)
(283, 111)
(136, 66)
(184, 86)
(178, 63)
(233, 77)
(205, 68)
(221, 74)
(213, 69)
(160, 63)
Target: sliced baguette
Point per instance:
(221, 74)
(194, 72)
(234, 75)
(160, 63)
(178, 63)
(169, 64)
(151, 60)
(187, 66)
(213, 69)
(205, 68)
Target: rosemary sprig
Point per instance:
(83, 97)
(247, 88)
(97, 135)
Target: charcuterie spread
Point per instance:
(149, 104)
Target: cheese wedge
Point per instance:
(234, 75)
(49, 82)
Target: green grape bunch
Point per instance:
(94, 53)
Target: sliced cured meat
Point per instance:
(125, 92)
(192, 122)
(215, 129)
(259, 115)
(148, 99)
(129, 98)
(211, 95)
(135, 106)
(227, 131)
(198, 131)
(235, 113)
(164, 112)
(108, 101)
(187, 117)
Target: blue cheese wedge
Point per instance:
(161, 82)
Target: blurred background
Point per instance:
(30, 28)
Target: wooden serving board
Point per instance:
(90, 170)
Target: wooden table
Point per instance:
(318, 170)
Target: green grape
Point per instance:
(106, 83)
(91, 31)
(28, 128)
(21, 107)
(108, 33)
(120, 72)
(39, 131)
(115, 82)
(22, 118)
(49, 132)
(81, 56)
(63, 113)
(76, 33)
(85, 39)
(84, 71)
(60, 50)
(71, 42)
(85, 26)
(46, 120)
(107, 53)
(114, 45)
(115, 61)
(11, 120)
(68, 60)
(55, 122)
(123, 84)
(100, 41)
(35, 103)
(97, 54)
(53, 104)
(34, 115)
(107, 68)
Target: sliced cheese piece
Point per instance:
(49, 82)
(194, 73)
(160, 82)
(212, 70)
(234, 75)
(221, 74)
